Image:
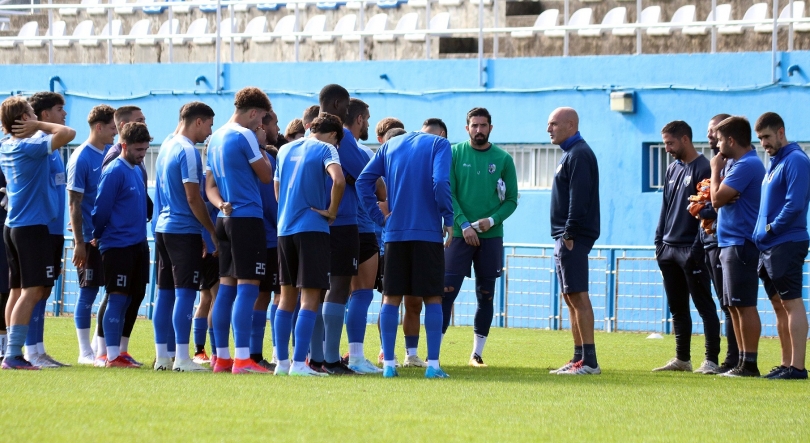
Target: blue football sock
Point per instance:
(589, 355)
(221, 315)
(282, 325)
(273, 309)
(162, 315)
(31, 337)
(183, 312)
(213, 341)
(389, 320)
(485, 293)
(433, 330)
(16, 339)
(257, 332)
(171, 341)
(113, 317)
(242, 316)
(452, 282)
(295, 318)
(316, 340)
(41, 329)
(333, 329)
(411, 341)
(200, 327)
(357, 316)
(303, 333)
(84, 307)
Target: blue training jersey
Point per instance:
(213, 212)
(83, 175)
(178, 163)
(119, 215)
(270, 209)
(301, 174)
(364, 223)
(58, 176)
(231, 151)
(736, 220)
(416, 167)
(353, 160)
(26, 165)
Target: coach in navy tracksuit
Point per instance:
(679, 251)
(575, 228)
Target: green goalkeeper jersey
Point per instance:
(474, 186)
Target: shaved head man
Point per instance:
(575, 228)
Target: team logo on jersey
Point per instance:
(492, 168)
(466, 165)
(687, 180)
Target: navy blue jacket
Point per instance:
(676, 226)
(575, 191)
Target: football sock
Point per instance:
(257, 332)
(750, 360)
(131, 313)
(411, 344)
(333, 328)
(433, 331)
(577, 354)
(242, 318)
(295, 318)
(42, 305)
(124, 344)
(389, 320)
(303, 333)
(161, 351)
(170, 343)
(221, 319)
(16, 339)
(589, 355)
(213, 343)
(3, 343)
(101, 344)
(357, 316)
(33, 330)
(485, 293)
(273, 309)
(162, 316)
(113, 317)
(84, 307)
(182, 352)
(282, 325)
(452, 282)
(478, 344)
(316, 340)
(200, 328)
(181, 318)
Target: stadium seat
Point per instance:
(315, 25)
(193, 33)
(439, 22)
(723, 15)
(373, 25)
(242, 6)
(27, 31)
(181, 7)
(90, 11)
(450, 2)
(139, 29)
(211, 7)
(105, 31)
(356, 5)
(388, 4)
(486, 2)
(649, 16)
(683, 16)
(57, 30)
(759, 11)
(377, 24)
(616, 16)
(417, 3)
(257, 30)
(227, 27)
(329, 6)
(4, 24)
(123, 8)
(151, 7)
(164, 31)
(293, 6)
(267, 7)
(345, 25)
(581, 17)
(547, 19)
(284, 27)
(82, 30)
(408, 22)
(798, 12)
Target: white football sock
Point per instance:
(391, 363)
(160, 351)
(172, 354)
(478, 344)
(124, 344)
(410, 351)
(181, 351)
(242, 353)
(356, 350)
(41, 348)
(101, 346)
(30, 352)
(223, 353)
(433, 364)
(84, 341)
(113, 352)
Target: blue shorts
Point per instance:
(487, 258)
(572, 266)
(780, 269)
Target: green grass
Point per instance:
(515, 399)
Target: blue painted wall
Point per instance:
(520, 93)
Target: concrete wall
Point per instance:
(520, 94)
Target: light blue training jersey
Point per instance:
(26, 165)
(83, 175)
(178, 163)
(231, 151)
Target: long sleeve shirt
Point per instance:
(575, 191)
(676, 226)
(119, 213)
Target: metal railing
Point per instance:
(626, 291)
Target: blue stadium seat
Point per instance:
(268, 7)
(211, 8)
(156, 9)
(329, 6)
(389, 4)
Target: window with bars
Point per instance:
(658, 160)
(535, 164)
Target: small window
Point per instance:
(535, 164)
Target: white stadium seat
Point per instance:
(181, 7)
(616, 16)
(378, 24)
(315, 25)
(163, 31)
(57, 30)
(798, 12)
(547, 19)
(684, 16)
(83, 30)
(649, 16)
(75, 11)
(408, 22)
(195, 30)
(227, 27)
(257, 28)
(285, 26)
(105, 31)
(759, 11)
(581, 17)
(345, 25)
(27, 31)
(439, 22)
(141, 28)
(723, 15)
(123, 7)
(242, 6)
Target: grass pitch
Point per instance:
(515, 399)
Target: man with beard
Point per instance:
(679, 251)
(483, 184)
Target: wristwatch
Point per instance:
(768, 227)
(567, 236)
